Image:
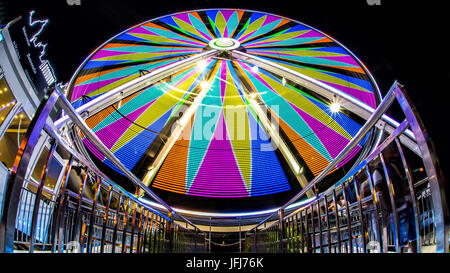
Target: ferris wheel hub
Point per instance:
(224, 43)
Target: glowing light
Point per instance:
(255, 69)
(201, 65)
(283, 81)
(204, 85)
(335, 107)
(252, 95)
(235, 214)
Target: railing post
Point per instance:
(255, 241)
(392, 195)
(19, 171)
(98, 186)
(209, 243)
(308, 239)
(338, 224)
(361, 214)
(349, 218)
(145, 231)
(281, 230)
(105, 219)
(376, 211)
(125, 226)
(240, 242)
(412, 193)
(76, 232)
(139, 238)
(37, 200)
(133, 224)
(302, 238)
(327, 216)
(59, 213)
(313, 229)
(116, 223)
(319, 221)
(170, 232)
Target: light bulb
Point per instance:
(335, 107)
(204, 84)
(201, 65)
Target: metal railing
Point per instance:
(393, 201)
(99, 217)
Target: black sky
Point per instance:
(403, 40)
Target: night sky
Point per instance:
(404, 41)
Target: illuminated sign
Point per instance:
(25, 34)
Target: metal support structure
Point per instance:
(138, 243)
(57, 232)
(361, 215)
(98, 186)
(116, 223)
(76, 233)
(319, 222)
(413, 197)
(37, 200)
(105, 218)
(282, 230)
(125, 226)
(438, 187)
(9, 118)
(170, 230)
(327, 217)
(19, 171)
(338, 224)
(133, 225)
(349, 218)
(93, 138)
(392, 195)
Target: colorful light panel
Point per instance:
(229, 158)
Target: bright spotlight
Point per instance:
(255, 69)
(252, 95)
(201, 65)
(335, 107)
(204, 85)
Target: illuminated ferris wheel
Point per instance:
(247, 104)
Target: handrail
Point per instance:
(314, 215)
(81, 124)
(387, 101)
(358, 168)
(41, 127)
(48, 128)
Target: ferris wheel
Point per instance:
(299, 95)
